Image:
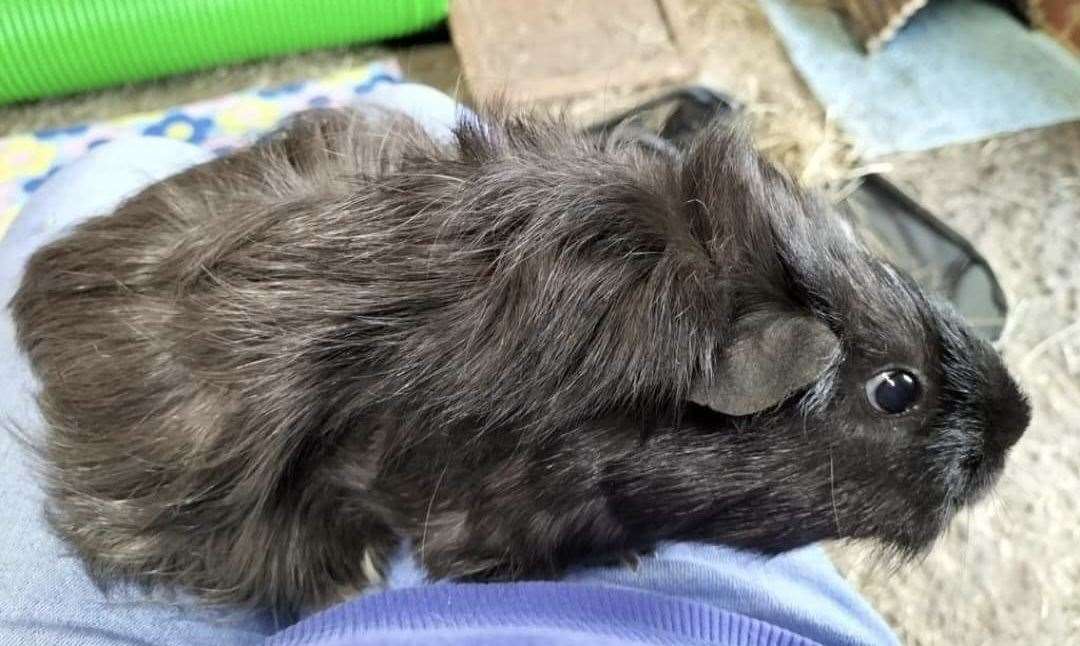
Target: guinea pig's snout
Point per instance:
(1007, 416)
(1003, 413)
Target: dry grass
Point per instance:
(738, 54)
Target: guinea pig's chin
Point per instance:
(977, 478)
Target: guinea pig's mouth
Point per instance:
(976, 474)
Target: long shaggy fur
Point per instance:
(262, 374)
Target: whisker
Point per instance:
(431, 505)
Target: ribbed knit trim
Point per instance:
(584, 609)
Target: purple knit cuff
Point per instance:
(555, 613)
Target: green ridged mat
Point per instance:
(51, 47)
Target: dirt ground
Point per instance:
(1009, 570)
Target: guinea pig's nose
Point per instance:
(1008, 415)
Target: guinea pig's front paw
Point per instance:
(485, 566)
(490, 570)
(629, 558)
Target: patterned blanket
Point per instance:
(218, 125)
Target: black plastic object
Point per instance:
(939, 258)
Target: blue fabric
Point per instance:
(800, 590)
(683, 594)
(959, 71)
(530, 613)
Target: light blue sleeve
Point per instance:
(800, 590)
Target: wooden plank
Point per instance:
(1059, 18)
(526, 50)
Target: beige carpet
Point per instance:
(1009, 571)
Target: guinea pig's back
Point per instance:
(101, 312)
(157, 366)
(111, 315)
(92, 314)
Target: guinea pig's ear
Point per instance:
(771, 355)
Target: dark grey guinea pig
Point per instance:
(519, 350)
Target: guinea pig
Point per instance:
(516, 350)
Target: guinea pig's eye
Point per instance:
(893, 391)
